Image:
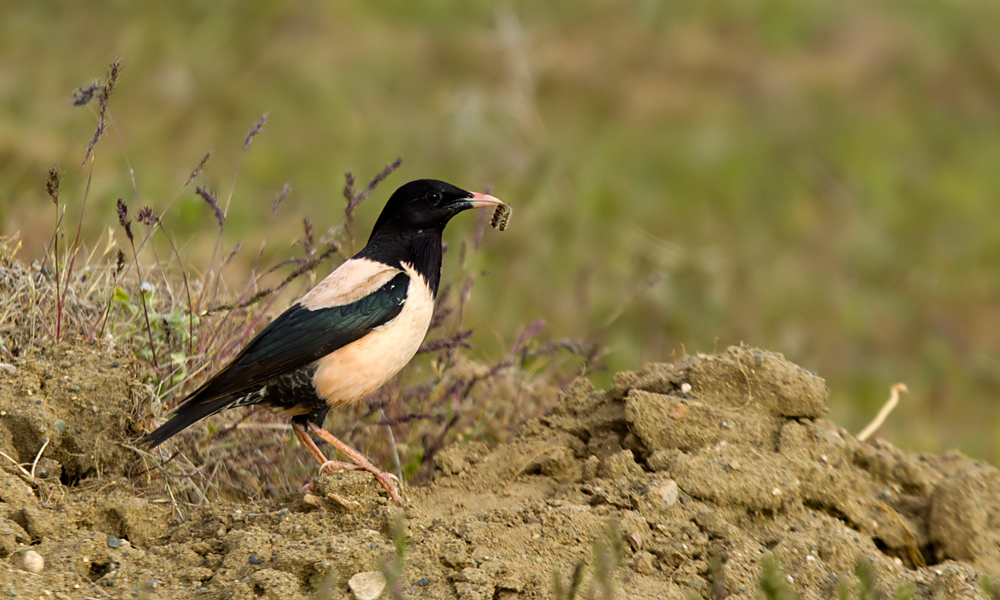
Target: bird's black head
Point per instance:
(427, 204)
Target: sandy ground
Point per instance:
(688, 474)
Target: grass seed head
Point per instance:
(254, 131)
(52, 183)
(198, 169)
(213, 202)
(123, 219)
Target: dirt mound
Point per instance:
(689, 474)
(77, 402)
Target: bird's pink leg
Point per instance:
(331, 465)
(386, 480)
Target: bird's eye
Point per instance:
(434, 197)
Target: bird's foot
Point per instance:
(388, 481)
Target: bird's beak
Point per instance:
(484, 201)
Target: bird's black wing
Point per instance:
(296, 338)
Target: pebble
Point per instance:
(30, 561)
(367, 585)
(423, 582)
(666, 494)
(255, 561)
(114, 542)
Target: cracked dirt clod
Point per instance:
(720, 459)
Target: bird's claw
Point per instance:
(386, 480)
(332, 466)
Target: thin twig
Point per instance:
(883, 414)
(38, 456)
(16, 464)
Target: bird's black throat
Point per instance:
(418, 247)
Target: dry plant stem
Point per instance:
(138, 199)
(16, 464)
(76, 247)
(145, 312)
(384, 479)
(38, 457)
(392, 446)
(55, 262)
(187, 286)
(883, 414)
(220, 243)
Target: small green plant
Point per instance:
(773, 581)
(990, 588)
(569, 589)
(394, 566)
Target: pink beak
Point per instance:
(484, 201)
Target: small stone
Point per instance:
(114, 542)
(423, 582)
(283, 512)
(678, 411)
(30, 561)
(665, 494)
(367, 585)
(635, 540)
(645, 563)
(60, 425)
(255, 561)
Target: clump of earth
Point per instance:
(680, 480)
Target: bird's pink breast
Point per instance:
(363, 366)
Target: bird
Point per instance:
(348, 335)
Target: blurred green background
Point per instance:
(817, 178)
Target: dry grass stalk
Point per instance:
(883, 414)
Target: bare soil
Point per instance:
(699, 470)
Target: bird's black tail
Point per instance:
(187, 414)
